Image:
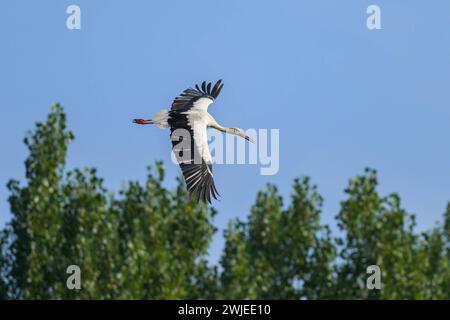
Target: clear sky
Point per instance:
(343, 97)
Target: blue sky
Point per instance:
(342, 96)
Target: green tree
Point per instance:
(378, 231)
(149, 242)
(279, 254)
(35, 270)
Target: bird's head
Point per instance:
(240, 133)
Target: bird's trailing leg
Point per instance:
(143, 121)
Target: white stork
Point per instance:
(190, 112)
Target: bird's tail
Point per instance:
(160, 120)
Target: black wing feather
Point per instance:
(198, 176)
(187, 98)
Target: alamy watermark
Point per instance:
(374, 280)
(374, 19)
(73, 21)
(229, 149)
(74, 280)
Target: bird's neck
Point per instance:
(219, 127)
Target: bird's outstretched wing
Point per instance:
(199, 98)
(193, 156)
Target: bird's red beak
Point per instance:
(249, 139)
(142, 121)
(246, 137)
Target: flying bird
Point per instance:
(188, 120)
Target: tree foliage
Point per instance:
(149, 242)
